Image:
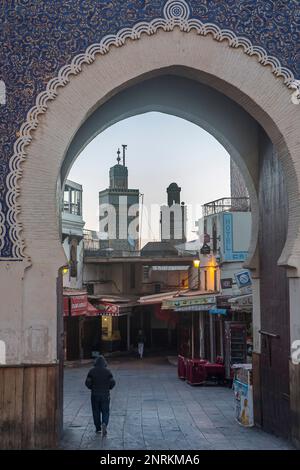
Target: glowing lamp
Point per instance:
(196, 263)
(65, 270)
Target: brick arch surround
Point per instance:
(29, 325)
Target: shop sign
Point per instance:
(218, 311)
(75, 305)
(194, 308)
(242, 301)
(243, 279)
(106, 308)
(185, 302)
(79, 305)
(226, 283)
(228, 253)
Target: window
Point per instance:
(205, 280)
(146, 273)
(157, 288)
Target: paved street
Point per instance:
(152, 409)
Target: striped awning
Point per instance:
(114, 310)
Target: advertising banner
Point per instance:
(243, 403)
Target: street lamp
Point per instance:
(65, 270)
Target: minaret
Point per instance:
(118, 174)
(173, 217)
(115, 204)
(173, 191)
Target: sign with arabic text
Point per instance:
(188, 302)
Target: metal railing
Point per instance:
(92, 247)
(96, 251)
(229, 204)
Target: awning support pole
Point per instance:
(221, 337)
(212, 338)
(193, 347)
(128, 332)
(201, 334)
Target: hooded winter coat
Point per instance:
(100, 379)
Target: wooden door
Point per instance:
(274, 294)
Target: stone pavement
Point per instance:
(152, 409)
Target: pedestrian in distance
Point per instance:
(140, 342)
(100, 381)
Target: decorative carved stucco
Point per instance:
(174, 13)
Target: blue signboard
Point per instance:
(218, 311)
(243, 279)
(228, 253)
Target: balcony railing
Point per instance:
(230, 204)
(92, 247)
(94, 250)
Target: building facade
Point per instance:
(72, 234)
(225, 232)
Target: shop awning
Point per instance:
(241, 303)
(92, 311)
(75, 302)
(156, 298)
(114, 309)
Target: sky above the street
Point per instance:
(161, 149)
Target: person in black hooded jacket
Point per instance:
(100, 381)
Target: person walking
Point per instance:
(100, 381)
(140, 342)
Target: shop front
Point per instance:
(159, 325)
(200, 338)
(192, 329)
(115, 324)
(241, 308)
(82, 326)
(75, 307)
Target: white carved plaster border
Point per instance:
(176, 13)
